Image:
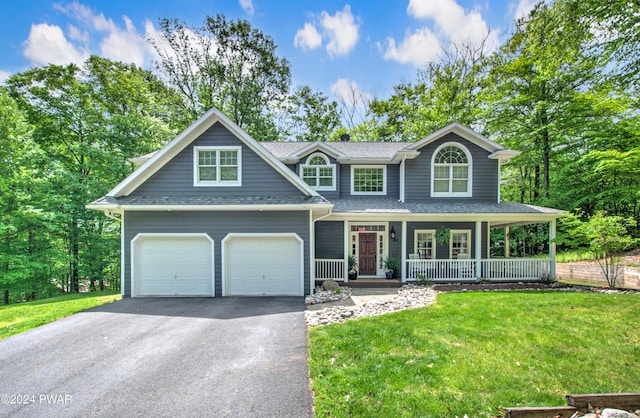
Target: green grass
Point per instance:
(475, 353)
(20, 317)
(574, 255)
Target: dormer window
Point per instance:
(451, 170)
(319, 173)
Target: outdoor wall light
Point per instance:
(392, 234)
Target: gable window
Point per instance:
(319, 173)
(451, 171)
(368, 180)
(217, 166)
(459, 243)
(424, 244)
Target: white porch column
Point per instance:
(403, 255)
(552, 248)
(507, 244)
(347, 251)
(478, 249)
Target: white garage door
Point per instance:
(172, 265)
(263, 265)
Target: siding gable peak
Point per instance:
(497, 151)
(190, 134)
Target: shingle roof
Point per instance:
(350, 149)
(358, 205)
(207, 200)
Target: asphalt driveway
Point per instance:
(162, 357)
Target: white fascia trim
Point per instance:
(504, 155)
(493, 218)
(213, 208)
(315, 147)
(464, 132)
(190, 134)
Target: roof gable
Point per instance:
(190, 134)
(462, 131)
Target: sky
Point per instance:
(363, 46)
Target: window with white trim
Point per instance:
(217, 166)
(371, 180)
(319, 173)
(451, 171)
(459, 243)
(424, 244)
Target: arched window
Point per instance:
(451, 171)
(318, 172)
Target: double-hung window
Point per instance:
(368, 180)
(424, 244)
(459, 243)
(217, 166)
(451, 171)
(319, 173)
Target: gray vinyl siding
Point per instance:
(393, 181)
(395, 247)
(418, 174)
(217, 225)
(329, 239)
(176, 177)
(442, 250)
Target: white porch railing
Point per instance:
(497, 269)
(451, 270)
(506, 269)
(330, 269)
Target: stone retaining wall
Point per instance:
(592, 273)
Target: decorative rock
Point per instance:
(330, 285)
(409, 297)
(616, 413)
(322, 296)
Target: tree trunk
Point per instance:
(6, 297)
(75, 254)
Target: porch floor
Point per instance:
(369, 283)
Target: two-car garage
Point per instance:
(184, 265)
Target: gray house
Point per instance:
(215, 213)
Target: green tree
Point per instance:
(313, 116)
(444, 92)
(87, 122)
(606, 237)
(226, 64)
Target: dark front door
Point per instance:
(367, 254)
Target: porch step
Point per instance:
(369, 283)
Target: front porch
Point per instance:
(450, 270)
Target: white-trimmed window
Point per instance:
(369, 179)
(424, 244)
(217, 166)
(318, 173)
(459, 243)
(451, 171)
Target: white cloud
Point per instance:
(119, 43)
(418, 48)
(452, 21)
(47, 44)
(349, 92)
(247, 6)
(523, 8)
(342, 31)
(4, 76)
(308, 37)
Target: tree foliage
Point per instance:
(227, 64)
(86, 123)
(606, 236)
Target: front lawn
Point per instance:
(474, 353)
(21, 317)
